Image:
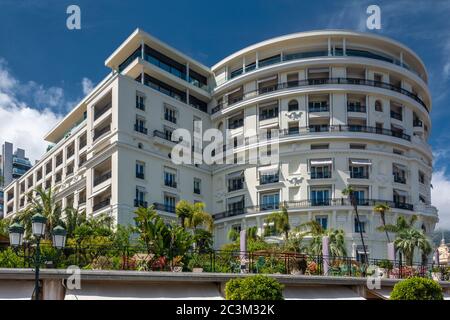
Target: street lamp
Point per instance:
(38, 223)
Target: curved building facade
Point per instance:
(347, 108)
(351, 109)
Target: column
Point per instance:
(142, 74)
(329, 46)
(187, 71)
(243, 64)
(257, 60)
(142, 50)
(344, 46)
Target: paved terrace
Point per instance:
(102, 284)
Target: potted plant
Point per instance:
(177, 264)
(384, 267)
(195, 263)
(436, 274)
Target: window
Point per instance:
(170, 115)
(378, 106)
(293, 128)
(169, 203)
(379, 127)
(140, 170)
(318, 106)
(236, 122)
(268, 112)
(360, 255)
(397, 151)
(357, 146)
(293, 105)
(197, 186)
(235, 181)
(170, 179)
(322, 221)
(320, 169)
(139, 126)
(320, 197)
(140, 101)
(270, 201)
(421, 177)
(139, 201)
(320, 146)
(236, 205)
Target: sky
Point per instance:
(45, 68)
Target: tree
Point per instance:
(198, 217)
(4, 225)
(44, 203)
(354, 202)
(73, 219)
(280, 222)
(382, 209)
(337, 246)
(417, 288)
(153, 231)
(408, 239)
(184, 210)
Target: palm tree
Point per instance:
(184, 210)
(408, 239)
(45, 204)
(199, 218)
(153, 231)
(337, 246)
(382, 209)
(354, 202)
(280, 221)
(73, 218)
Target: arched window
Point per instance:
(293, 105)
(378, 106)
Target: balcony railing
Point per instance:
(235, 186)
(22, 162)
(345, 128)
(266, 179)
(140, 203)
(170, 118)
(321, 175)
(319, 108)
(98, 113)
(102, 204)
(101, 132)
(356, 108)
(324, 81)
(418, 123)
(359, 175)
(267, 116)
(163, 135)
(170, 183)
(140, 128)
(399, 179)
(396, 115)
(304, 204)
(236, 124)
(102, 178)
(140, 175)
(164, 207)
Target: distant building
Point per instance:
(13, 164)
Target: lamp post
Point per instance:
(38, 224)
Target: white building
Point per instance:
(352, 109)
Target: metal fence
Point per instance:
(110, 257)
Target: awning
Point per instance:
(361, 162)
(16, 289)
(401, 166)
(268, 79)
(235, 199)
(143, 291)
(235, 174)
(268, 170)
(321, 162)
(401, 193)
(320, 293)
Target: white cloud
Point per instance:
(87, 85)
(440, 197)
(21, 124)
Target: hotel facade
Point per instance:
(349, 109)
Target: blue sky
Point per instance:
(45, 68)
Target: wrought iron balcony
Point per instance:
(102, 204)
(102, 178)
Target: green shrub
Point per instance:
(385, 264)
(9, 259)
(417, 289)
(257, 287)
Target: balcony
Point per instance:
(398, 178)
(102, 178)
(140, 175)
(140, 128)
(197, 191)
(170, 183)
(164, 207)
(235, 186)
(100, 132)
(163, 135)
(325, 81)
(305, 204)
(99, 112)
(101, 204)
(396, 115)
(359, 175)
(170, 118)
(22, 162)
(140, 203)
(266, 179)
(318, 108)
(356, 108)
(320, 175)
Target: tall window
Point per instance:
(140, 196)
(170, 179)
(140, 170)
(378, 106)
(169, 203)
(197, 186)
(361, 226)
(320, 197)
(140, 101)
(293, 105)
(170, 115)
(270, 201)
(322, 221)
